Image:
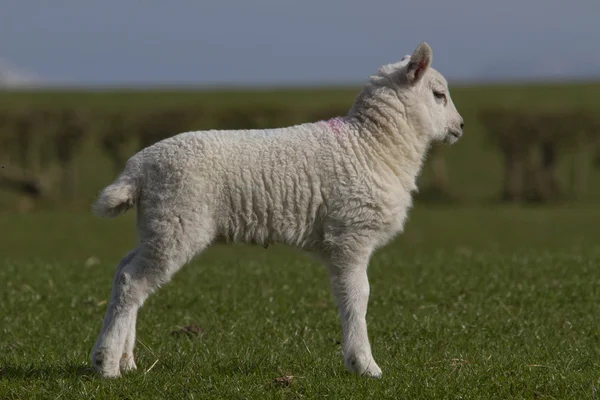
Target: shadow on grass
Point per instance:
(22, 372)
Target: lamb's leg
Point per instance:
(350, 285)
(150, 267)
(127, 361)
(110, 311)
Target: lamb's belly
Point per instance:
(267, 229)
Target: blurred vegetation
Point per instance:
(534, 144)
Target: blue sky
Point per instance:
(121, 42)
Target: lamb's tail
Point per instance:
(118, 197)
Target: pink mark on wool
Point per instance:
(336, 125)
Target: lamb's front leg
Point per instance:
(350, 285)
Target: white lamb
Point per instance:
(338, 189)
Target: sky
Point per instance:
(282, 42)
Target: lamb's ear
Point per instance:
(419, 62)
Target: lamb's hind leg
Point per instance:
(152, 265)
(127, 361)
(110, 310)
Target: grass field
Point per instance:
(471, 303)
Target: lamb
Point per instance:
(337, 189)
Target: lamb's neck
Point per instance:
(394, 144)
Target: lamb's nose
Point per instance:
(462, 124)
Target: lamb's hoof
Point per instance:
(103, 368)
(127, 363)
(373, 371)
(364, 366)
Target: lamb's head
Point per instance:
(424, 94)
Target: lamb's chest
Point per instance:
(394, 217)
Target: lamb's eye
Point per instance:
(439, 95)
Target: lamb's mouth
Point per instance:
(452, 137)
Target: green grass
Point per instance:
(471, 303)
(476, 302)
